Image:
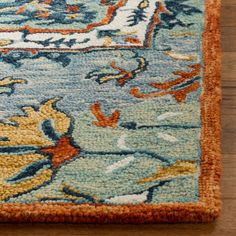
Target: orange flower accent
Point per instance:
(124, 74)
(21, 10)
(72, 8)
(104, 2)
(47, 2)
(179, 94)
(61, 152)
(196, 69)
(132, 40)
(45, 14)
(103, 120)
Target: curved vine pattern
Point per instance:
(179, 87)
(122, 77)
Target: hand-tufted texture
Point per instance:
(109, 111)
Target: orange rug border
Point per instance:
(209, 205)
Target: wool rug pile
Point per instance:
(109, 111)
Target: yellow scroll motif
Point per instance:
(9, 80)
(11, 165)
(180, 168)
(25, 132)
(27, 129)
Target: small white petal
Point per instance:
(167, 137)
(119, 164)
(128, 199)
(166, 115)
(179, 56)
(121, 142)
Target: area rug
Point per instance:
(109, 111)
